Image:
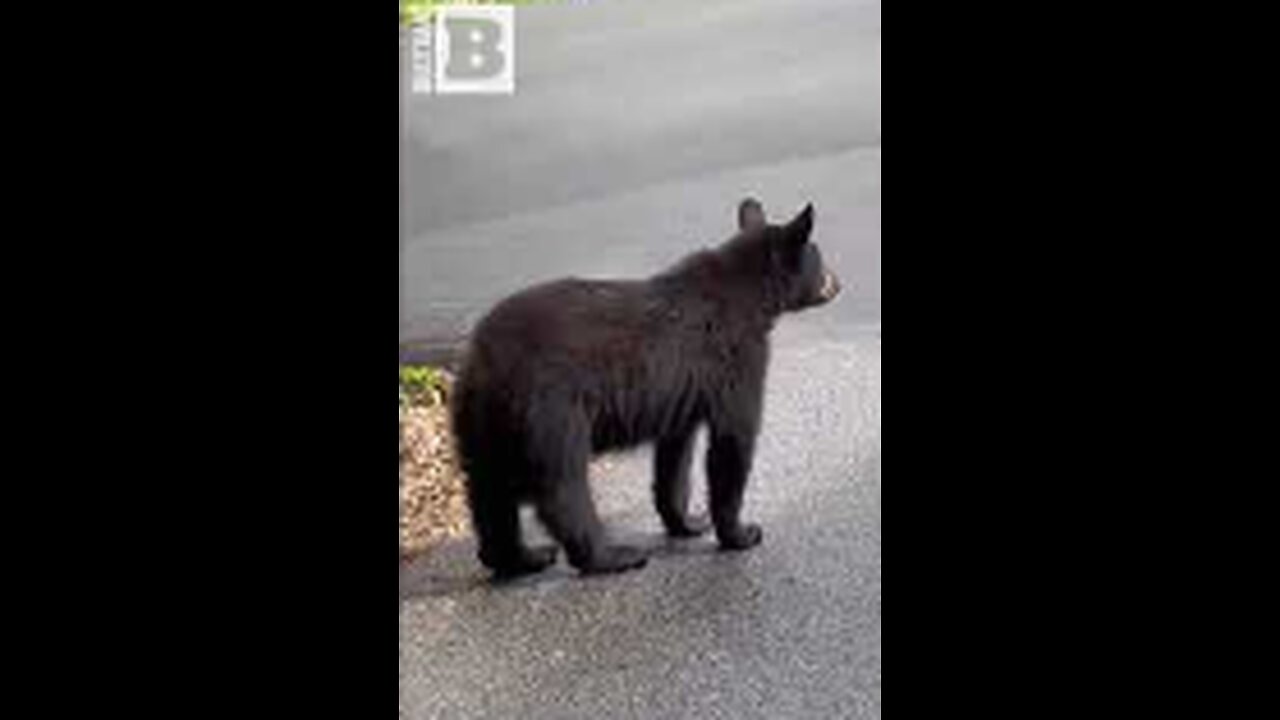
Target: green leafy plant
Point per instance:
(420, 11)
(416, 11)
(421, 385)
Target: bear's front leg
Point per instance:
(671, 461)
(728, 465)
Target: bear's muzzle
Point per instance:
(830, 286)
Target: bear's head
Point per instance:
(793, 262)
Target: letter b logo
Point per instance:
(475, 49)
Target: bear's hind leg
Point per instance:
(495, 516)
(565, 506)
(570, 517)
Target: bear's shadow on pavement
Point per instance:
(452, 569)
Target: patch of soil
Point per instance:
(433, 505)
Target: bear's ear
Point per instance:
(799, 229)
(750, 214)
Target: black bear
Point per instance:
(567, 369)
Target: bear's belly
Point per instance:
(625, 426)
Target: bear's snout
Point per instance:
(830, 286)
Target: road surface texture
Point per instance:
(635, 129)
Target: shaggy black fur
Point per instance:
(570, 368)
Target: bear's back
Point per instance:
(608, 347)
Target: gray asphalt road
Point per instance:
(635, 129)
